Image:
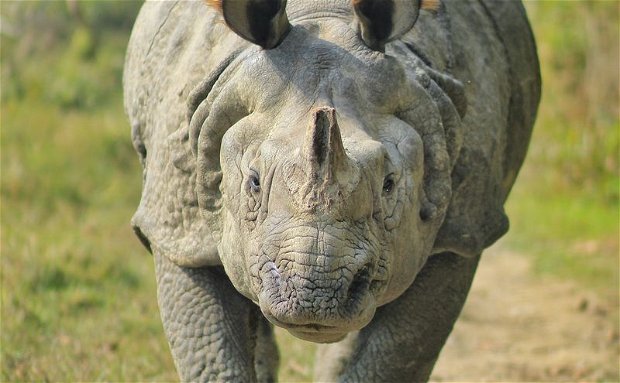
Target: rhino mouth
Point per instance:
(322, 310)
(305, 328)
(311, 331)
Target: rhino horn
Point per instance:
(323, 148)
(324, 161)
(262, 22)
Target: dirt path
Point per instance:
(520, 327)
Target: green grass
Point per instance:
(78, 291)
(570, 235)
(296, 357)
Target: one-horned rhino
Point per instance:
(332, 167)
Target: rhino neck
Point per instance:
(298, 10)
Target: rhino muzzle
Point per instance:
(317, 285)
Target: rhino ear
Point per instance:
(262, 22)
(381, 21)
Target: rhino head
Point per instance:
(315, 224)
(322, 166)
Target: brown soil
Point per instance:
(517, 326)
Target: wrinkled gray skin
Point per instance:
(340, 192)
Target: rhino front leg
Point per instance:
(404, 339)
(211, 328)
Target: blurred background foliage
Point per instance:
(78, 291)
(578, 120)
(66, 53)
(564, 207)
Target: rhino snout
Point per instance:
(321, 289)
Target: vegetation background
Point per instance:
(77, 289)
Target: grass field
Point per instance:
(77, 289)
(78, 293)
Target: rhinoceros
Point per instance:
(332, 167)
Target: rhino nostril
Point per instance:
(360, 282)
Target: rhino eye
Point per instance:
(388, 183)
(254, 182)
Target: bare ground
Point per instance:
(517, 326)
